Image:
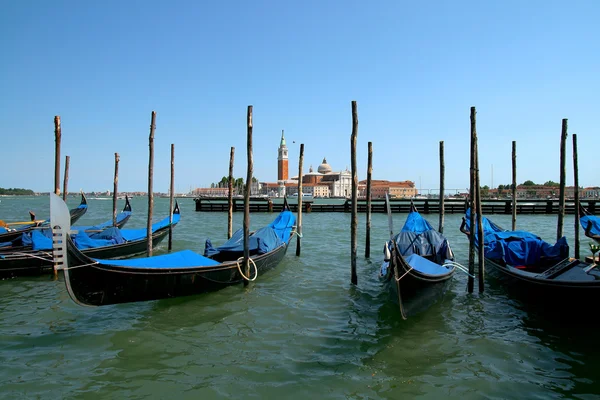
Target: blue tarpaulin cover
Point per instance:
(595, 223)
(38, 239)
(179, 259)
(425, 266)
(262, 241)
(417, 236)
(518, 247)
(41, 239)
(265, 239)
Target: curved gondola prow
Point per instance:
(286, 206)
(81, 209)
(413, 208)
(127, 204)
(60, 221)
(463, 227)
(588, 232)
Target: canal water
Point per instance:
(300, 331)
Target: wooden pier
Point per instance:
(425, 206)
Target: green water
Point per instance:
(300, 331)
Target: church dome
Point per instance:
(324, 168)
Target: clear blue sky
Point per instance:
(415, 69)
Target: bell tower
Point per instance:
(282, 166)
(282, 160)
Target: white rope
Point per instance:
(403, 275)
(33, 255)
(461, 268)
(83, 265)
(237, 263)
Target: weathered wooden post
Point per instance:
(354, 218)
(57, 139)
(171, 197)
(150, 184)
(66, 178)
(480, 248)
(514, 185)
(299, 222)
(247, 198)
(576, 195)
(442, 187)
(115, 189)
(563, 174)
(230, 195)
(368, 194)
(471, 281)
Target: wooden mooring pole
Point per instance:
(171, 197)
(230, 195)
(57, 139)
(576, 195)
(299, 222)
(150, 184)
(66, 178)
(514, 185)
(480, 248)
(368, 194)
(115, 189)
(563, 174)
(471, 281)
(442, 187)
(354, 217)
(247, 198)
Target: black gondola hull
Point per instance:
(549, 291)
(413, 291)
(100, 284)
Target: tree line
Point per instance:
(16, 192)
(238, 184)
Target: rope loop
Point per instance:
(237, 263)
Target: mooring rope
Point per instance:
(403, 275)
(33, 256)
(237, 263)
(458, 266)
(82, 265)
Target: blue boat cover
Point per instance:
(595, 223)
(425, 266)
(107, 237)
(261, 241)
(38, 239)
(179, 259)
(120, 217)
(418, 237)
(41, 239)
(518, 248)
(416, 223)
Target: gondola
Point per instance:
(98, 282)
(108, 243)
(13, 230)
(590, 223)
(418, 264)
(538, 268)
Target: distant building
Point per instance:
(395, 190)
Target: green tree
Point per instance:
(528, 183)
(16, 192)
(551, 183)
